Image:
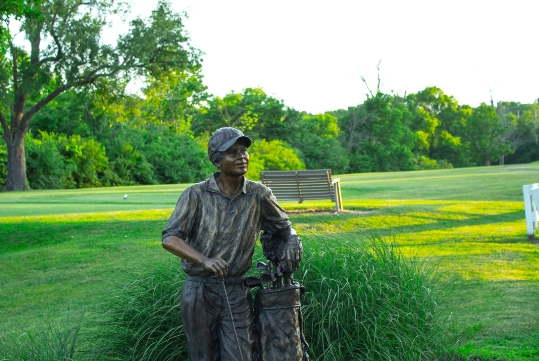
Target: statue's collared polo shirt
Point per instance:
(224, 226)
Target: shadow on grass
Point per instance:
(427, 223)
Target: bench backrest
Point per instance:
(299, 184)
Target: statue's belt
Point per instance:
(227, 280)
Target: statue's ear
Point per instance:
(217, 164)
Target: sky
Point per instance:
(313, 54)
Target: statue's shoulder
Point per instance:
(257, 187)
(197, 188)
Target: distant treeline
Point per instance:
(104, 137)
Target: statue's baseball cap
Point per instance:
(224, 138)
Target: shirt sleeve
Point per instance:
(182, 219)
(274, 218)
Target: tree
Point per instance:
(19, 8)
(16, 9)
(173, 99)
(485, 135)
(272, 155)
(439, 123)
(377, 136)
(66, 52)
(251, 111)
(318, 142)
(521, 124)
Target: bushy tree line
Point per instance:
(65, 112)
(104, 137)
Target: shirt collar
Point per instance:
(211, 184)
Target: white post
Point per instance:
(531, 196)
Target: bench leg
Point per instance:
(338, 196)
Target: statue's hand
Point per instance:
(217, 265)
(292, 253)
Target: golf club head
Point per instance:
(266, 277)
(261, 266)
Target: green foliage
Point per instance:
(153, 154)
(363, 301)
(67, 114)
(366, 301)
(485, 135)
(425, 163)
(322, 153)
(67, 52)
(16, 9)
(175, 158)
(440, 122)
(522, 130)
(158, 45)
(143, 320)
(252, 111)
(59, 161)
(316, 138)
(377, 135)
(47, 342)
(272, 155)
(46, 167)
(129, 165)
(88, 156)
(173, 100)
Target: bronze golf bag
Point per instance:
(278, 320)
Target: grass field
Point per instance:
(69, 250)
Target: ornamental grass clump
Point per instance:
(366, 301)
(143, 321)
(46, 342)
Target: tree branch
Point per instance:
(15, 65)
(366, 84)
(42, 103)
(92, 77)
(59, 52)
(378, 74)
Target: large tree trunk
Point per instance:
(16, 165)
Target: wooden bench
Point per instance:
(302, 185)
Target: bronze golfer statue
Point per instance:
(213, 229)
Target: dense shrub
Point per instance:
(60, 161)
(272, 155)
(152, 155)
(128, 164)
(175, 158)
(46, 168)
(87, 155)
(425, 163)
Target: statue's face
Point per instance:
(235, 161)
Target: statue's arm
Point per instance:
(180, 248)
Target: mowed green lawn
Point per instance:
(71, 250)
